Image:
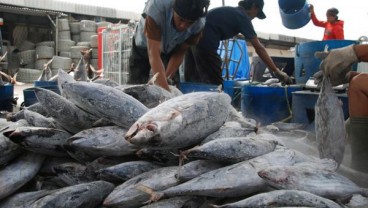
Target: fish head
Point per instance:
(143, 134)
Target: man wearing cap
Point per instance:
(334, 28)
(166, 30)
(203, 63)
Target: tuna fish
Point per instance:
(19, 172)
(196, 168)
(63, 78)
(65, 112)
(8, 150)
(38, 120)
(127, 195)
(149, 95)
(40, 140)
(330, 124)
(125, 171)
(82, 195)
(24, 199)
(102, 141)
(324, 183)
(181, 121)
(105, 102)
(287, 198)
(235, 180)
(232, 150)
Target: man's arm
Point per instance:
(157, 66)
(262, 53)
(153, 35)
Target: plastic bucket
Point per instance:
(30, 96)
(294, 13)
(6, 97)
(305, 62)
(267, 104)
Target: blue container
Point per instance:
(267, 104)
(30, 96)
(45, 83)
(6, 97)
(305, 62)
(188, 87)
(294, 13)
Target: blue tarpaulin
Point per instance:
(239, 58)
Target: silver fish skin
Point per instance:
(196, 168)
(46, 141)
(232, 150)
(8, 150)
(178, 202)
(24, 199)
(77, 196)
(128, 193)
(38, 120)
(287, 198)
(105, 102)
(225, 132)
(36, 107)
(19, 172)
(235, 180)
(102, 141)
(107, 82)
(149, 95)
(125, 171)
(181, 121)
(64, 111)
(63, 78)
(330, 124)
(318, 181)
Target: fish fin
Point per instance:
(155, 196)
(219, 88)
(340, 103)
(153, 79)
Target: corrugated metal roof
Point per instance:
(67, 7)
(28, 11)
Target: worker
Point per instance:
(202, 62)
(167, 28)
(334, 28)
(337, 65)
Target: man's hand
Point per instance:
(336, 64)
(283, 77)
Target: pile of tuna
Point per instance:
(99, 144)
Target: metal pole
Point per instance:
(223, 2)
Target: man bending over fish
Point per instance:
(337, 65)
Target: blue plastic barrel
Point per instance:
(6, 97)
(44, 83)
(305, 62)
(267, 104)
(188, 87)
(30, 96)
(294, 13)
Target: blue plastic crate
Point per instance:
(6, 97)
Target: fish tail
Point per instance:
(155, 196)
(365, 192)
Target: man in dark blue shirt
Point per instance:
(203, 63)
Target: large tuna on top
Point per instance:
(105, 102)
(181, 121)
(330, 126)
